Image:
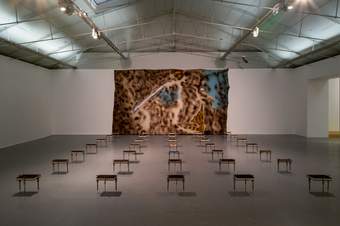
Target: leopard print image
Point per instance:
(163, 101)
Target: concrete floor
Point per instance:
(71, 199)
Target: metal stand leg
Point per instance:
(234, 185)
(253, 183)
(167, 185)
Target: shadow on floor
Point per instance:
(111, 194)
(222, 173)
(322, 194)
(187, 194)
(59, 173)
(77, 162)
(167, 193)
(134, 161)
(178, 172)
(285, 172)
(239, 194)
(125, 172)
(25, 194)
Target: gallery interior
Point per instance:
(169, 112)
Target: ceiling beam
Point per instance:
(307, 54)
(58, 62)
(296, 12)
(261, 20)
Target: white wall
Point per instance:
(82, 101)
(318, 112)
(262, 101)
(25, 102)
(334, 105)
(317, 105)
(265, 101)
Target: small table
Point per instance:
(74, 155)
(319, 177)
(120, 162)
(252, 147)
(101, 142)
(227, 133)
(172, 135)
(109, 138)
(175, 162)
(226, 161)
(172, 147)
(59, 162)
(204, 140)
(28, 177)
(128, 153)
(104, 178)
(176, 178)
(91, 148)
(233, 138)
(245, 178)
(241, 141)
(143, 135)
(287, 162)
(216, 151)
(172, 140)
(209, 147)
(136, 147)
(139, 140)
(174, 153)
(268, 154)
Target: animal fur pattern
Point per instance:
(163, 101)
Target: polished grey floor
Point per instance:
(71, 199)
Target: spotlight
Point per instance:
(244, 59)
(276, 9)
(256, 32)
(290, 7)
(66, 6)
(82, 13)
(62, 8)
(95, 34)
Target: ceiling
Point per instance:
(36, 31)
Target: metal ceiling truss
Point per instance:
(38, 54)
(92, 25)
(311, 13)
(323, 47)
(262, 19)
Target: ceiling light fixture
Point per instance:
(244, 59)
(256, 32)
(62, 8)
(66, 6)
(290, 7)
(276, 9)
(95, 34)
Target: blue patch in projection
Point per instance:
(168, 97)
(218, 87)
